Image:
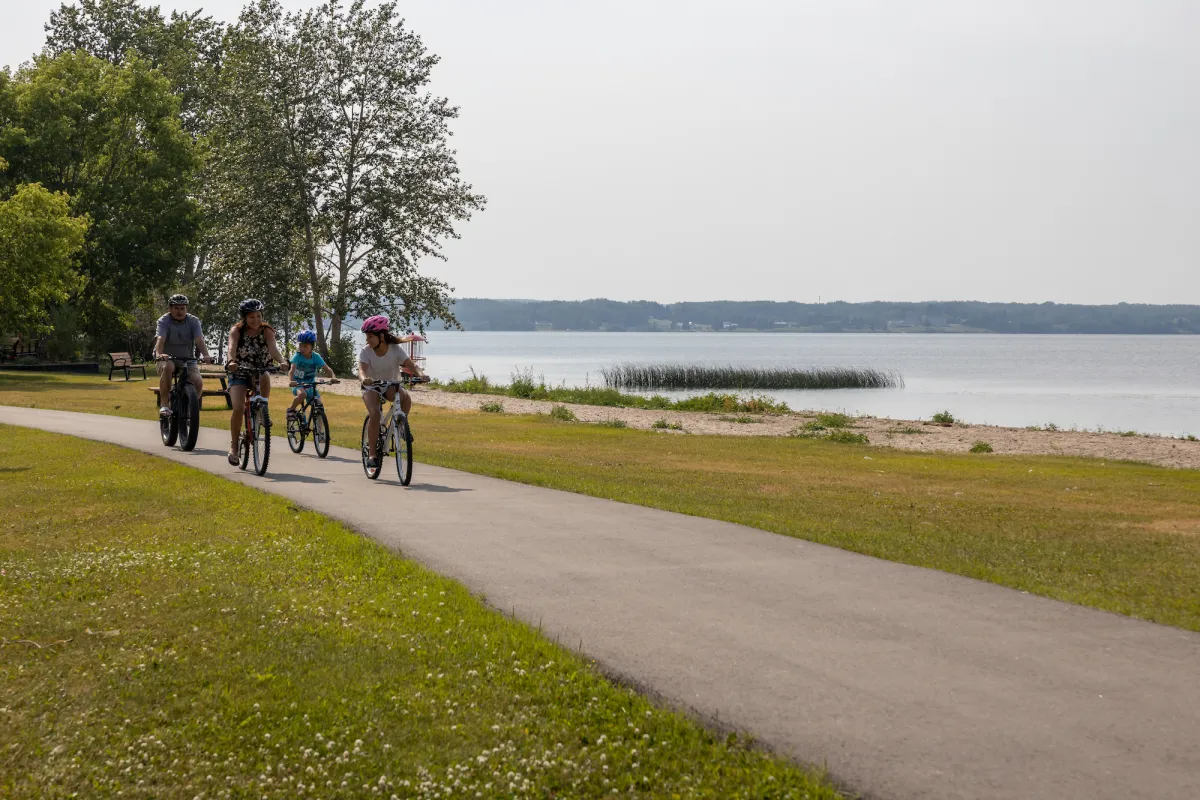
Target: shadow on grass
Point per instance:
(49, 382)
(15, 469)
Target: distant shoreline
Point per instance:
(610, 316)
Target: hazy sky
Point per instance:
(671, 150)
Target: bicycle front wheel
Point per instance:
(320, 432)
(262, 439)
(372, 472)
(189, 418)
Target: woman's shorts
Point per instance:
(238, 380)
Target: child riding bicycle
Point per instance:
(381, 361)
(305, 364)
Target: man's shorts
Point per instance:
(193, 370)
(312, 391)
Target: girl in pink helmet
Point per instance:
(382, 360)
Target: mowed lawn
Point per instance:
(1118, 536)
(165, 633)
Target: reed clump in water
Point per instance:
(698, 376)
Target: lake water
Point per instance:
(1149, 384)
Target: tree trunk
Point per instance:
(315, 280)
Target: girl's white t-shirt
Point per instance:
(385, 367)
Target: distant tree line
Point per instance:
(296, 156)
(932, 317)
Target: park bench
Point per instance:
(208, 372)
(124, 362)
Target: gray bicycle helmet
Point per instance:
(177, 300)
(250, 306)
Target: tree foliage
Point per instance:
(333, 105)
(39, 239)
(110, 137)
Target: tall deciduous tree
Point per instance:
(337, 99)
(110, 137)
(39, 239)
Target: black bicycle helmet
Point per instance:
(177, 300)
(250, 306)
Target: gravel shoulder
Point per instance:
(903, 434)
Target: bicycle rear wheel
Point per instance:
(247, 434)
(320, 432)
(295, 431)
(189, 418)
(168, 426)
(262, 438)
(403, 451)
(366, 453)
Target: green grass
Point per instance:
(1119, 536)
(701, 376)
(613, 423)
(525, 386)
(847, 437)
(741, 419)
(664, 425)
(170, 634)
(981, 447)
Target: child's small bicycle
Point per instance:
(395, 435)
(310, 420)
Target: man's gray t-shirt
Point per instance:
(180, 336)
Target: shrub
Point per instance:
(343, 359)
(663, 425)
(944, 418)
(981, 447)
(698, 376)
(812, 426)
(1050, 426)
(834, 420)
(613, 423)
(476, 384)
(909, 430)
(562, 414)
(847, 437)
(741, 419)
(1127, 433)
(492, 408)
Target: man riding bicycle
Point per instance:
(178, 336)
(381, 362)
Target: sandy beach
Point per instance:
(904, 434)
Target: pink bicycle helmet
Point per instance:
(376, 324)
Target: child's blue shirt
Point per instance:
(306, 368)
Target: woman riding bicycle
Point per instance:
(381, 361)
(251, 347)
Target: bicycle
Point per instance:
(313, 422)
(256, 427)
(183, 423)
(395, 435)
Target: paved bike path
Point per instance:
(903, 682)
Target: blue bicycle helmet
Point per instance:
(306, 337)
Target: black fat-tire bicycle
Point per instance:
(310, 420)
(395, 435)
(182, 425)
(256, 425)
